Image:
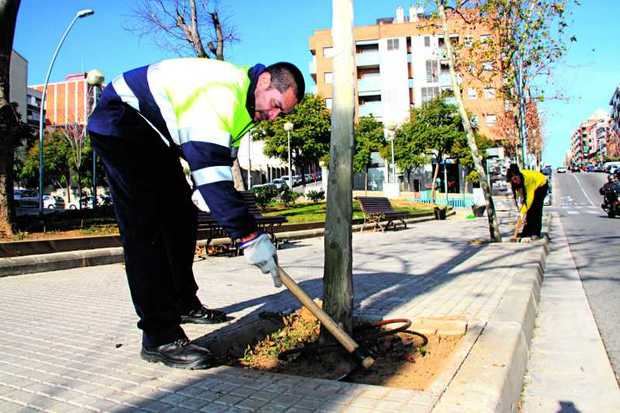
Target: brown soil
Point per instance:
(402, 360)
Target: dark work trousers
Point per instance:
(157, 222)
(533, 218)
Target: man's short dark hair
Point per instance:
(286, 75)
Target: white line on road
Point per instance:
(573, 212)
(583, 190)
(593, 212)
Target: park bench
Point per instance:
(377, 210)
(209, 229)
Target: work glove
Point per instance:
(261, 253)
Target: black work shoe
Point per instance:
(203, 315)
(180, 354)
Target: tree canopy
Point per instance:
(435, 128)
(309, 137)
(369, 138)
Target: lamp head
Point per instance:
(85, 13)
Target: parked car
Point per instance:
(561, 170)
(280, 183)
(547, 170)
(53, 202)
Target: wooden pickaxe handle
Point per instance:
(343, 338)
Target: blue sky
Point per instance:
(279, 30)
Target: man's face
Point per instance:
(516, 180)
(270, 102)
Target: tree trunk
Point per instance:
(237, 176)
(434, 185)
(471, 140)
(337, 278)
(8, 119)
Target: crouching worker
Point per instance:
(530, 188)
(146, 119)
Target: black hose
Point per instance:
(359, 337)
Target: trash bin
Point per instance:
(478, 210)
(440, 212)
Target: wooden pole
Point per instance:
(338, 286)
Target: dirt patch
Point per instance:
(51, 235)
(404, 359)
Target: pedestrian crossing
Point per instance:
(576, 210)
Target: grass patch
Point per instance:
(305, 213)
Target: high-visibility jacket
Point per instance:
(203, 106)
(532, 180)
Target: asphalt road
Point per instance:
(594, 241)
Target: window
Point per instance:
(429, 93)
(392, 44)
(328, 103)
(427, 41)
(329, 78)
(485, 38)
(472, 93)
(432, 71)
(441, 42)
(328, 52)
(489, 93)
(468, 41)
(487, 66)
(490, 119)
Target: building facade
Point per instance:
(18, 73)
(401, 63)
(613, 144)
(33, 107)
(589, 141)
(66, 101)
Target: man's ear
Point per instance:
(264, 81)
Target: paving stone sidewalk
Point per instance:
(69, 341)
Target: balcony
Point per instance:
(374, 108)
(369, 84)
(367, 59)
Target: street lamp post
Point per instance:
(78, 15)
(288, 127)
(95, 79)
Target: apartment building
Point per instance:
(401, 63)
(33, 107)
(589, 141)
(613, 144)
(66, 101)
(18, 73)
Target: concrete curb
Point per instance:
(29, 264)
(491, 377)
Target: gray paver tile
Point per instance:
(251, 404)
(228, 400)
(214, 408)
(193, 404)
(9, 407)
(156, 406)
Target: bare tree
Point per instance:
(74, 134)
(471, 139)
(184, 26)
(9, 121)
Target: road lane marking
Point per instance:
(583, 190)
(573, 212)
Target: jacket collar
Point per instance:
(253, 73)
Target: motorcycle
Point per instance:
(611, 201)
